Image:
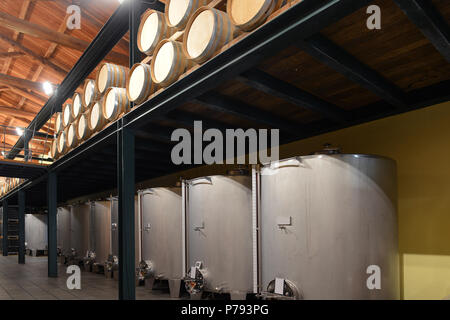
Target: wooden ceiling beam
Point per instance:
(24, 124)
(36, 99)
(38, 31)
(13, 112)
(6, 55)
(44, 33)
(50, 51)
(13, 132)
(337, 58)
(21, 83)
(222, 103)
(430, 22)
(266, 83)
(22, 15)
(62, 72)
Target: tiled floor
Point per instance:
(30, 281)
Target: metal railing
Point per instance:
(39, 143)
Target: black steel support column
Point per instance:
(125, 179)
(21, 197)
(26, 148)
(126, 190)
(5, 228)
(52, 208)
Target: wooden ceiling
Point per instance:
(36, 46)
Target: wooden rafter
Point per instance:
(41, 32)
(48, 54)
(34, 56)
(21, 83)
(13, 112)
(13, 133)
(22, 15)
(7, 55)
(24, 10)
(35, 98)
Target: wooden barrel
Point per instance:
(67, 115)
(110, 75)
(59, 123)
(178, 12)
(207, 31)
(115, 103)
(83, 131)
(72, 138)
(77, 106)
(90, 94)
(96, 121)
(250, 14)
(62, 143)
(54, 149)
(168, 63)
(140, 84)
(152, 30)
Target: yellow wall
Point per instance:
(420, 143)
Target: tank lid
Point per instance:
(328, 149)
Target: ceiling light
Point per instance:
(48, 88)
(19, 131)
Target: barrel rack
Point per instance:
(131, 149)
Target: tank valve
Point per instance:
(89, 260)
(145, 270)
(112, 264)
(282, 289)
(73, 258)
(195, 281)
(328, 149)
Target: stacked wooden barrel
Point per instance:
(189, 32)
(96, 121)
(115, 104)
(110, 75)
(247, 15)
(84, 116)
(10, 184)
(192, 32)
(140, 84)
(207, 32)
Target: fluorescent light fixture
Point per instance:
(19, 131)
(48, 88)
(3, 153)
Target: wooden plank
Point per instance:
(48, 54)
(21, 83)
(6, 55)
(22, 15)
(430, 22)
(34, 56)
(16, 112)
(38, 99)
(41, 32)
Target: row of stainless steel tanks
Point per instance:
(311, 227)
